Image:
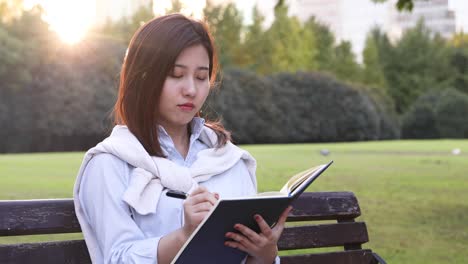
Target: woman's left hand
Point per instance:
(261, 247)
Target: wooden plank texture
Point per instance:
(71, 252)
(344, 257)
(325, 206)
(330, 235)
(30, 217)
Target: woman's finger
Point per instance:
(241, 239)
(264, 227)
(237, 245)
(203, 197)
(202, 207)
(249, 233)
(282, 220)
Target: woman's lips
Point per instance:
(187, 107)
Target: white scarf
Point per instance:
(152, 174)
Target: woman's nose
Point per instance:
(189, 88)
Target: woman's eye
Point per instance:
(201, 78)
(177, 76)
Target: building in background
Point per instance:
(116, 9)
(436, 15)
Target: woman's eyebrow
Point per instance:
(198, 68)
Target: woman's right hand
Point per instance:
(196, 208)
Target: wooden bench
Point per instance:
(31, 217)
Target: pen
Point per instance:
(177, 194)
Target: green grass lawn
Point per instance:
(413, 194)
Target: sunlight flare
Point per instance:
(70, 19)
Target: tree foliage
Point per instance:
(325, 44)
(410, 68)
(226, 25)
(373, 72)
(255, 46)
(401, 4)
(123, 29)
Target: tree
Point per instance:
(226, 25)
(325, 43)
(459, 61)
(123, 29)
(291, 48)
(401, 4)
(345, 66)
(411, 69)
(255, 46)
(373, 74)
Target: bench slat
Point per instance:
(31, 217)
(344, 257)
(71, 252)
(325, 206)
(328, 235)
(74, 251)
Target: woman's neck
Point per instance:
(180, 137)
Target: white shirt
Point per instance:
(123, 235)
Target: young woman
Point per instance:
(160, 143)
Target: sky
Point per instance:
(461, 17)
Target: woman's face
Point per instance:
(185, 89)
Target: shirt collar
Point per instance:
(196, 127)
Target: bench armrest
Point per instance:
(378, 258)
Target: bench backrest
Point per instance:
(57, 216)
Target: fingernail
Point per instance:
(236, 226)
(257, 217)
(216, 196)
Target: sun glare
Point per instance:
(70, 19)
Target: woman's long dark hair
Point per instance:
(150, 58)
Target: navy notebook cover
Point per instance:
(206, 245)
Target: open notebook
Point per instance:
(206, 244)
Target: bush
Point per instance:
(437, 114)
(452, 113)
(243, 102)
(420, 121)
(317, 108)
(65, 107)
(389, 126)
(287, 108)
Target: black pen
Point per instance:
(177, 194)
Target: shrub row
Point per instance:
(437, 114)
(301, 107)
(67, 107)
